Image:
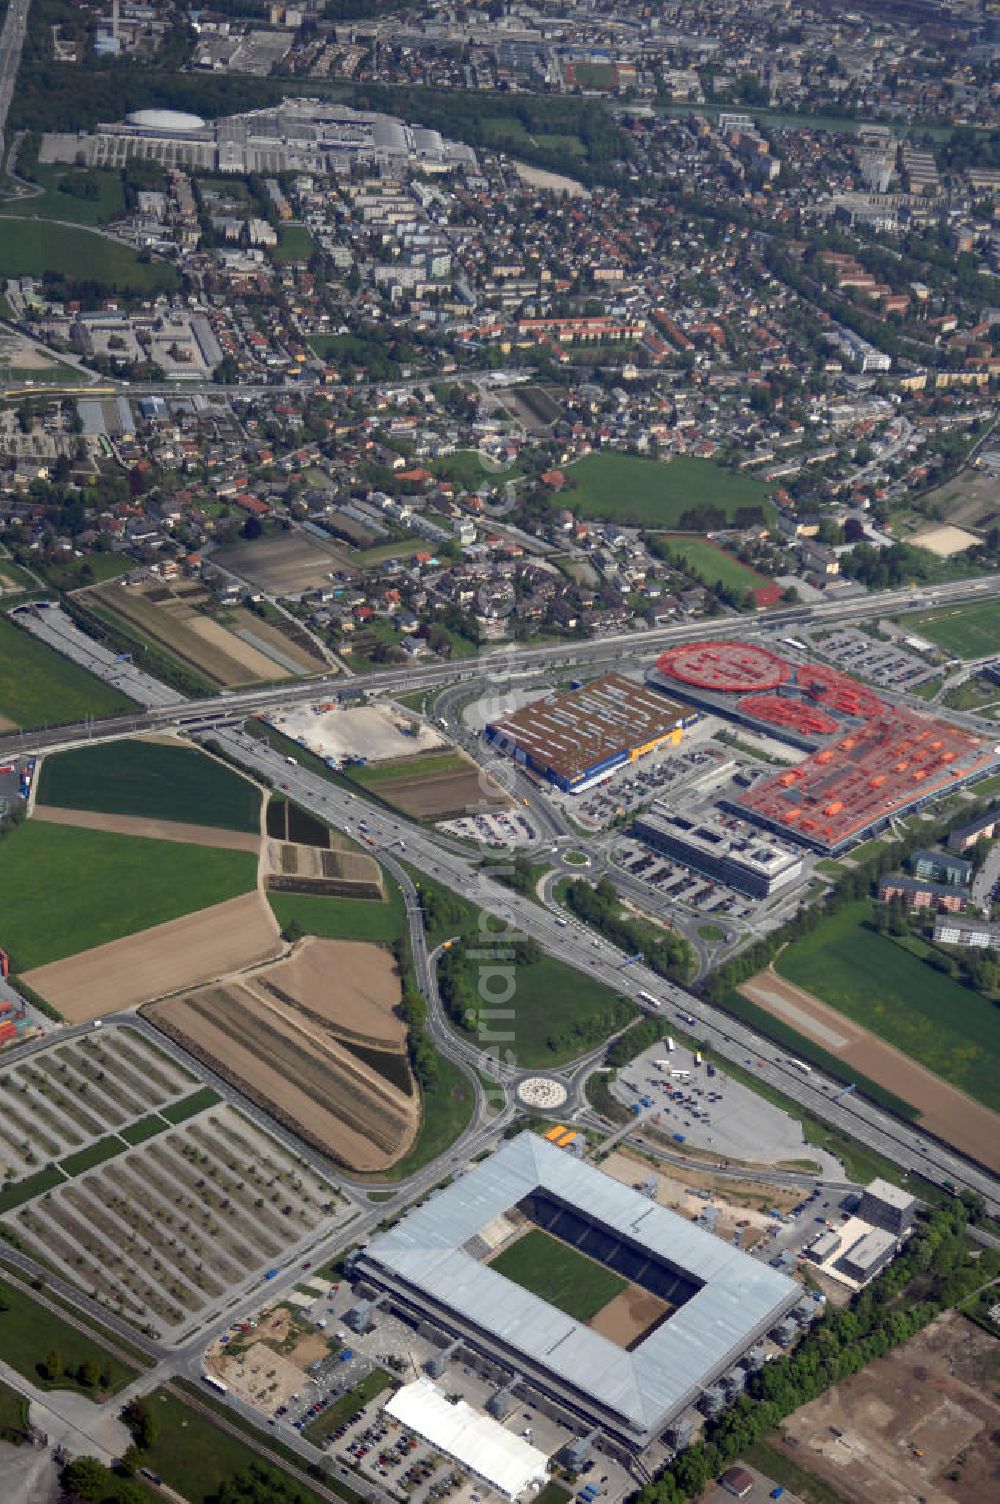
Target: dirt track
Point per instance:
(181, 953)
(944, 1110)
(158, 830)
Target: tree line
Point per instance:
(666, 953)
(935, 1270)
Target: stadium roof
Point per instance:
(505, 1460)
(739, 1298)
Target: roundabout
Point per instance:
(543, 1093)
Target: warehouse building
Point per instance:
(754, 864)
(868, 1255)
(715, 1302)
(577, 737)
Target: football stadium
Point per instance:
(870, 761)
(575, 738)
(620, 1312)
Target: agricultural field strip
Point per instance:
(44, 1097)
(121, 1217)
(176, 636)
(317, 1079)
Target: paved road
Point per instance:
(11, 42)
(497, 668)
(901, 1142)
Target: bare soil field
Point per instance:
(438, 796)
(944, 1110)
(297, 1038)
(349, 984)
(170, 618)
(746, 1201)
(628, 1318)
(944, 540)
(285, 564)
(938, 1394)
(355, 874)
(182, 953)
(160, 830)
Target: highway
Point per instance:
(900, 1142)
(497, 667)
(11, 41)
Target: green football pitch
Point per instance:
(559, 1274)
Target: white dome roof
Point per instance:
(165, 120)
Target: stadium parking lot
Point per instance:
(710, 1111)
(372, 1441)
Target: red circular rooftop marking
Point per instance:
(736, 667)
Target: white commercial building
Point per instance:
(482, 1446)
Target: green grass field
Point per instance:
(151, 779)
(466, 468)
(55, 204)
(196, 1457)
(63, 890)
(445, 1113)
(946, 1027)
(558, 1013)
(294, 244)
(29, 1332)
(80, 254)
(39, 687)
(381, 775)
(13, 1415)
(965, 631)
(380, 921)
(647, 492)
(714, 564)
(559, 1274)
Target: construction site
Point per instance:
(870, 761)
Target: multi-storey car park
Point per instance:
(870, 762)
(576, 737)
(706, 1302)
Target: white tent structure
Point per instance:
(485, 1448)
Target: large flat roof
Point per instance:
(505, 1460)
(739, 1298)
(575, 730)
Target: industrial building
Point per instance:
(576, 737)
(872, 1251)
(716, 1301)
(299, 135)
(888, 1206)
(755, 864)
(869, 762)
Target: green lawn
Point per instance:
(39, 687)
(945, 1026)
(29, 1332)
(80, 255)
(381, 921)
(713, 564)
(965, 631)
(466, 468)
(294, 244)
(594, 75)
(378, 775)
(54, 203)
(63, 890)
(13, 1415)
(559, 1274)
(196, 1457)
(556, 1013)
(94, 1154)
(652, 493)
(187, 1107)
(151, 779)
